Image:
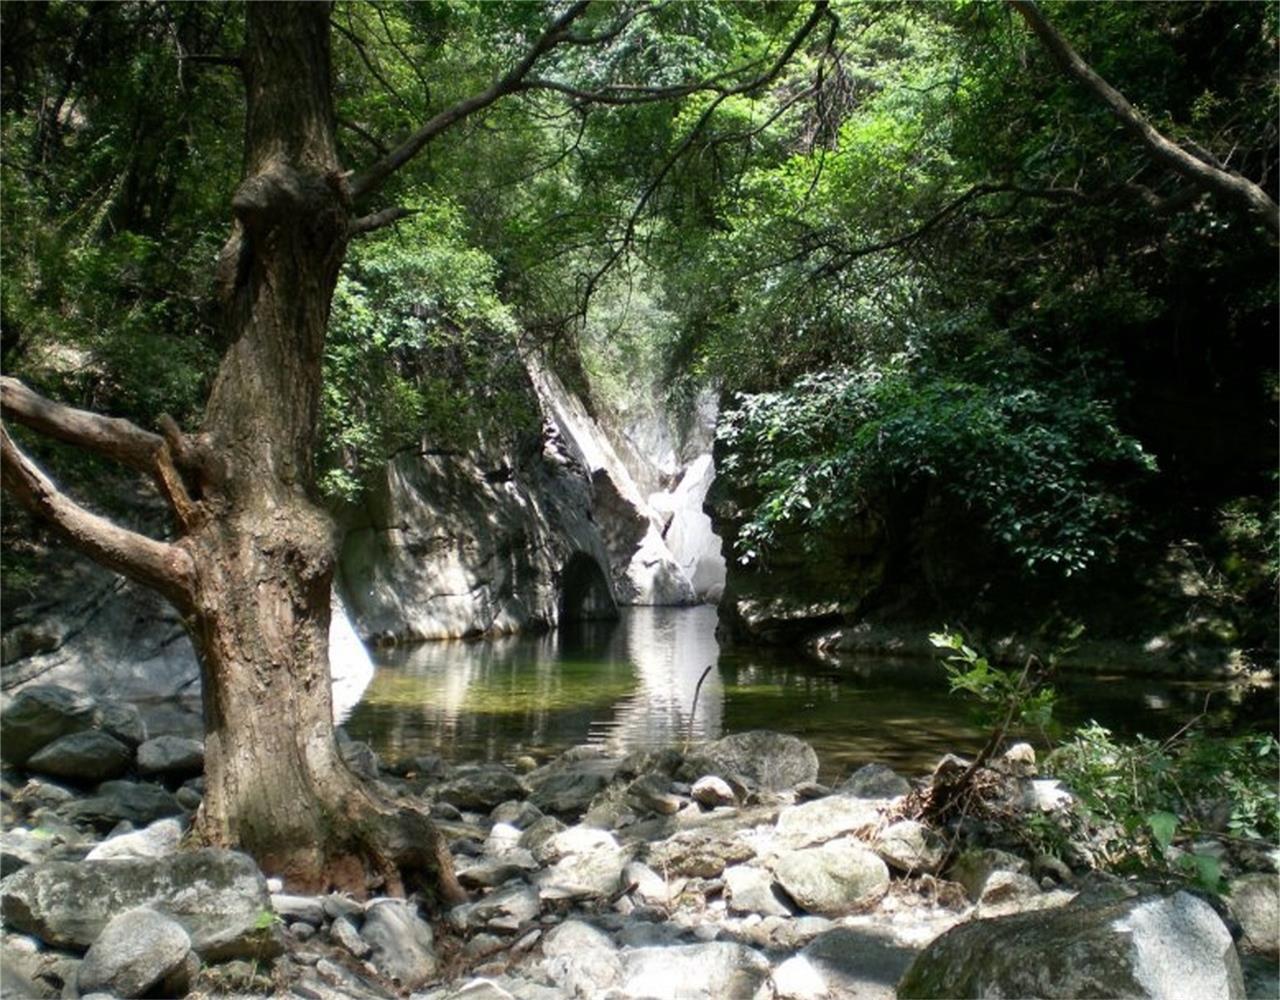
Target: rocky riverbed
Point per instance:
(721, 871)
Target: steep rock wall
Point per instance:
(647, 500)
(448, 546)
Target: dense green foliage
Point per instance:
(935, 279)
(1039, 460)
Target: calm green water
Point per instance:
(630, 685)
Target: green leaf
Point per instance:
(1163, 825)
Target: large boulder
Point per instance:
(1255, 903)
(403, 947)
(90, 756)
(114, 802)
(699, 853)
(135, 952)
(591, 872)
(769, 761)
(566, 789)
(481, 788)
(712, 970)
(38, 715)
(837, 878)
(580, 959)
(826, 818)
(844, 962)
(874, 781)
(1142, 946)
(219, 898)
(171, 756)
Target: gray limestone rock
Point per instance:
(836, 878)
(171, 756)
(844, 962)
(592, 871)
(403, 946)
(1255, 903)
(698, 853)
(973, 867)
(769, 761)
(652, 793)
(290, 908)
(219, 898)
(123, 721)
(911, 847)
(517, 813)
(874, 781)
(567, 789)
(826, 819)
(38, 715)
(136, 951)
(140, 803)
(750, 890)
(481, 788)
(343, 932)
(581, 960)
(1141, 946)
(711, 792)
(504, 909)
(157, 840)
(708, 971)
(89, 756)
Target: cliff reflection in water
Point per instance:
(628, 685)
(625, 685)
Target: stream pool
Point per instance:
(630, 685)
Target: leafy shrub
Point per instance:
(1041, 461)
(1143, 794)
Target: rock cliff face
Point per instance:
(646, 499)
(809, 584)
(119, 641)
(444, 546)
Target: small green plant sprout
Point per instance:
(1008, 698)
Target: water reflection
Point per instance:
(630, 685)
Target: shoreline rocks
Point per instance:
(725, 871)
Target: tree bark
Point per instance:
(275, 784)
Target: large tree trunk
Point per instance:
(275, 784)
(253, 564)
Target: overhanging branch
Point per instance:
(1196, 169)
(378, 220)
(111, 437)
(168, 569)
(372, 179)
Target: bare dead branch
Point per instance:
(1196, 169)
(372, 179)
(168, 569)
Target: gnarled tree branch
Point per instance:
(1196, 169)
(378, 220)
(111, 437)
(161, 566)
(160, 456)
